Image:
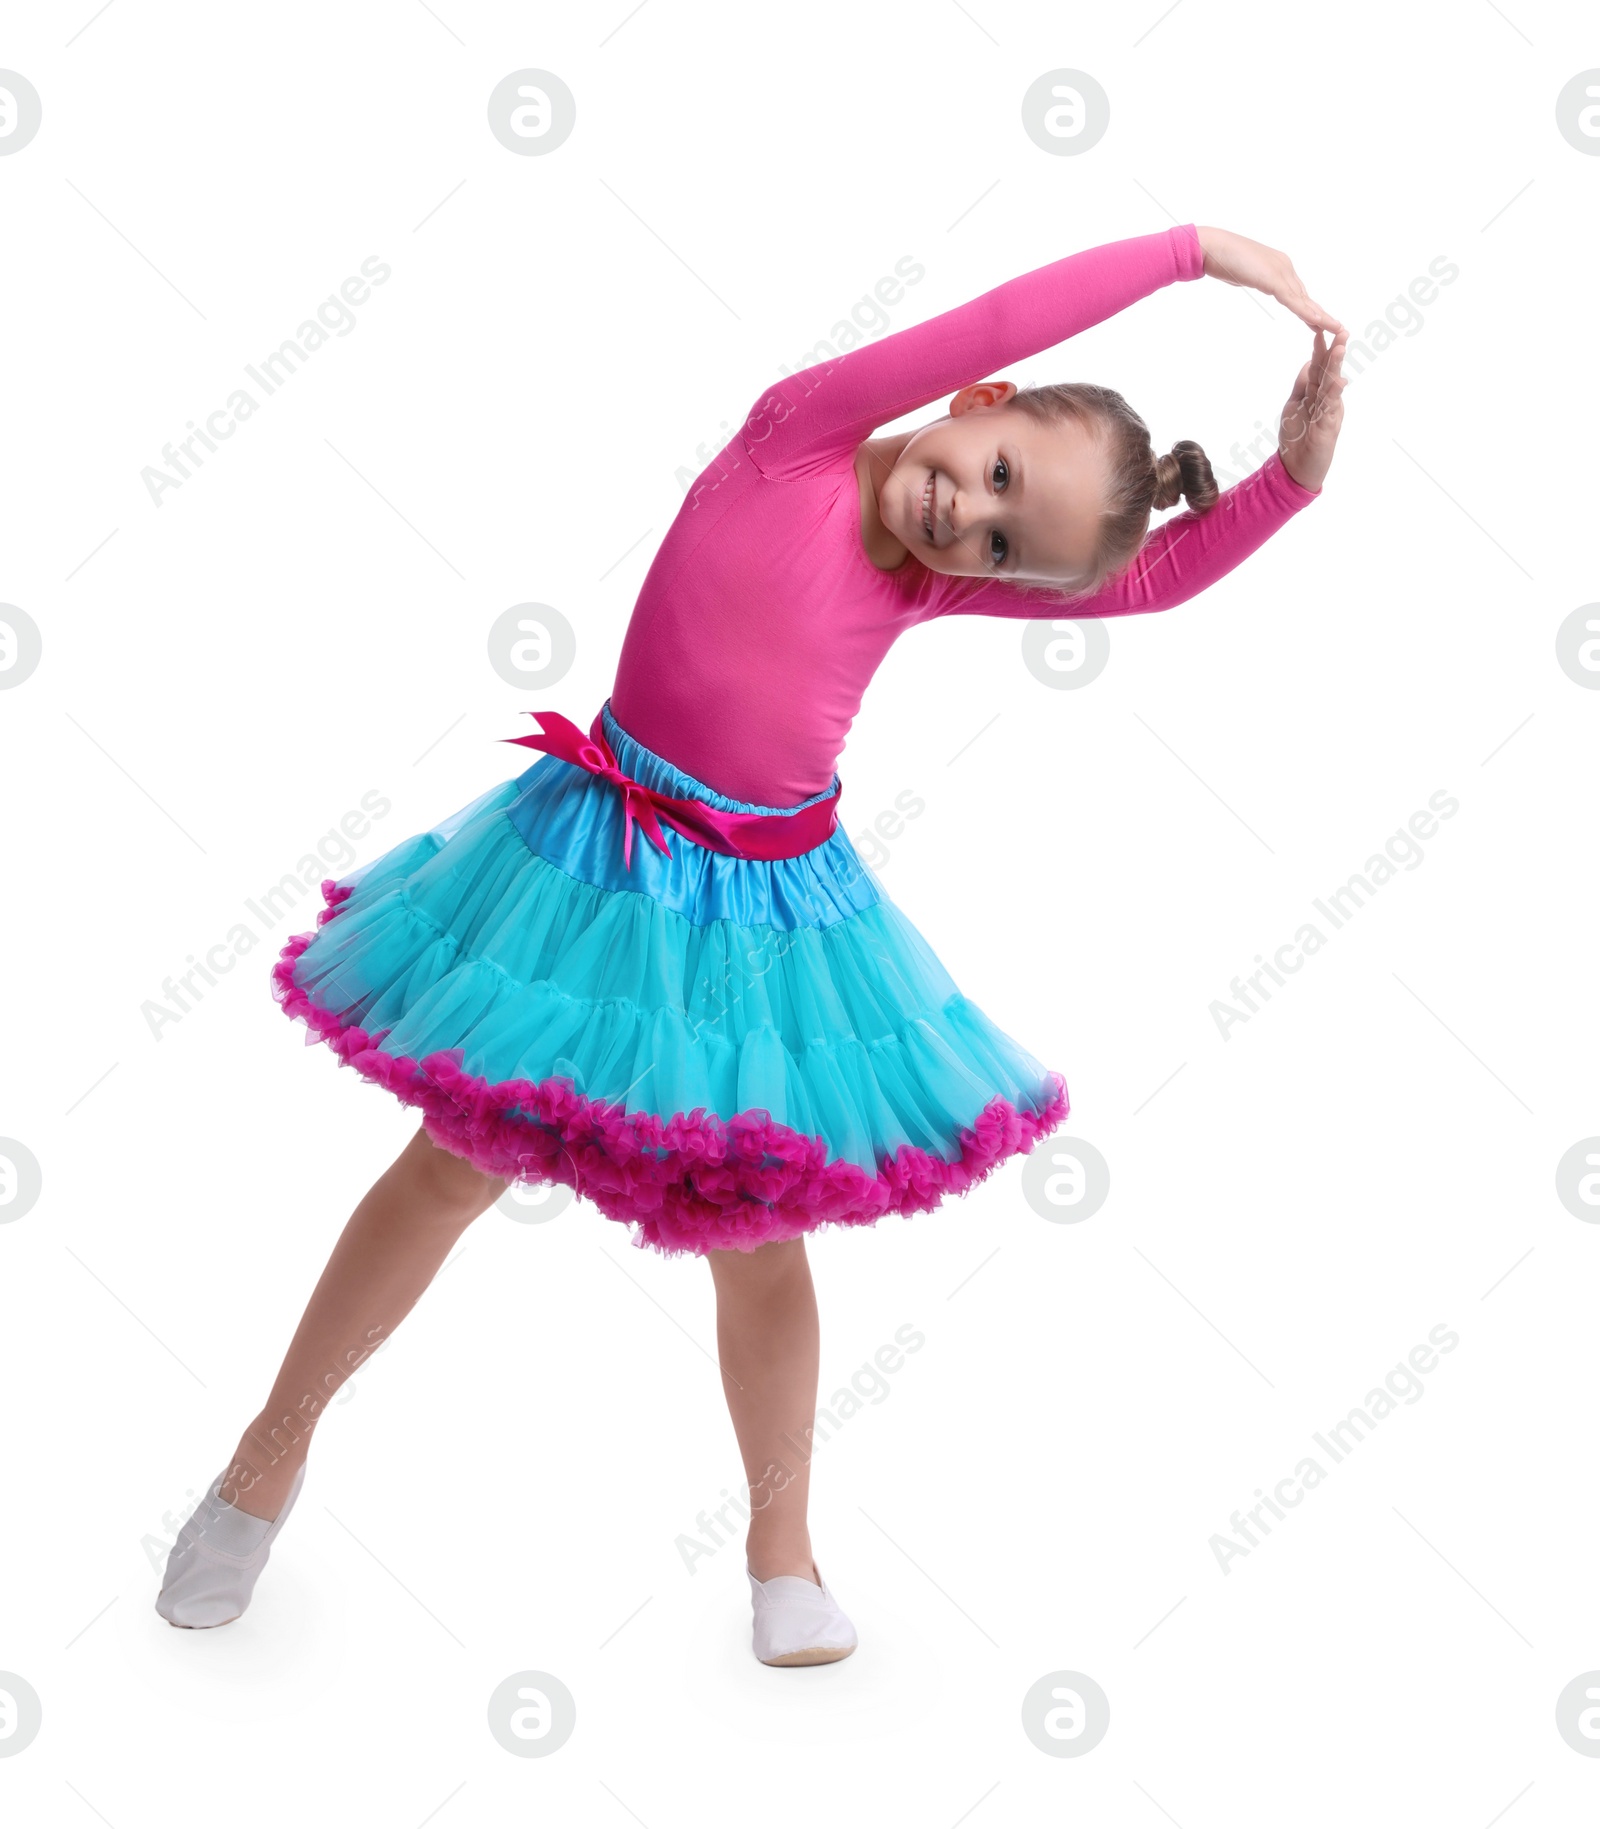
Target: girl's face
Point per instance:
(990, 491)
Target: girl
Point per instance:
(652, 966)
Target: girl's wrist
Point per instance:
(1284, 465)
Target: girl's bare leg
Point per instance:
(769, 1346)
(395, 1241)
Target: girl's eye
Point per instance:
(1001, 475)
(997, 547)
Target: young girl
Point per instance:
(652, 966)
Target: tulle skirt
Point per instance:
(715, 1051)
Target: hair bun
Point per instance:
(1169, 481)
(1185, 471)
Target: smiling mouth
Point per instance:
(927, 508)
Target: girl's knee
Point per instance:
(766, 1263)
(449, 1182)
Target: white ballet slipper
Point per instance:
(220, 1552)
(798, 1621)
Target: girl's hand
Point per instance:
(1238, 261)
(1313, 413)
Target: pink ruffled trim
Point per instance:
(691, 1183)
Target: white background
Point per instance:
(1291, 1209)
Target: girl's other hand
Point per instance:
(1313, 413)
(1238, 261)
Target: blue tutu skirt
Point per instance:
(716, 1051)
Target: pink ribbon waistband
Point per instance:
(760, 836)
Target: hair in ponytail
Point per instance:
(1138, 483)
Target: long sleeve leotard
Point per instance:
(762, 620)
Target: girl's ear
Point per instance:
(981, 393)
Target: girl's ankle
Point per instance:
(256, 1484)
(765, 1562)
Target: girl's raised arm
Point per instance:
(1177, 562)
(808, 420)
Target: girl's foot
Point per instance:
(798, 1621)
(212, 1570)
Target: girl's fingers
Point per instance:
(1319, 387)
(1302, 383)
(1330, 400)
(1332, 379)
(1306, 308)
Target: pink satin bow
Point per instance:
(759, 836)
(561, 737)
(706, 825)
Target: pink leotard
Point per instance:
(762, 620)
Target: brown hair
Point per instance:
(1138, 481)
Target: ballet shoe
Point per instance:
(798, 1621)
(220, 1551)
